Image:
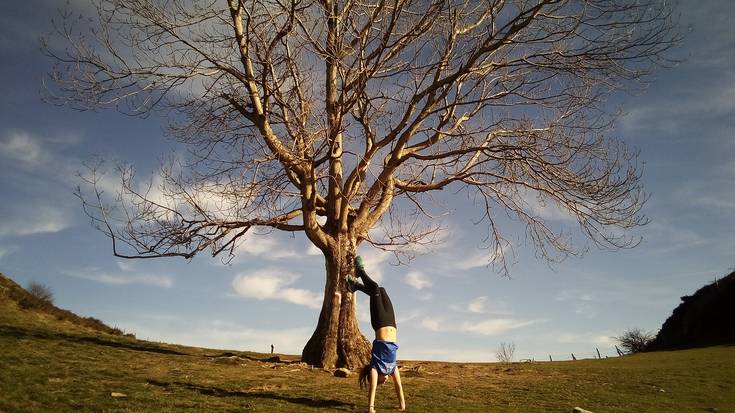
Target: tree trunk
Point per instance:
(337, 340)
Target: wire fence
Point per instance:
(595, 354)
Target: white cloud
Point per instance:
(585, 303)
(21, 146)
(475, 260)
(6, 250)
(431, 324)
(218, 334)
(574, 295)
(482, 305)
(477, 305)
(363, 313)
(447, 354)
(495, 326)
(124, 278)
(374, 260)
(272, 284)
(314, 251)
(463, 260)
(544, 207)
(714, 193)
(126, 266)
(30, 220)
(662, 237)
(408, 316)
(602, 339)
(267, 247)
(684, 107)
(417, 280)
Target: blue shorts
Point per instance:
(384, 358)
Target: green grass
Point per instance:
(52, 365)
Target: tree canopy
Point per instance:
(331, 117)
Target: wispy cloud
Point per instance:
(408, 316)
(475, 260)
(575, 295)
(266, 247)
(22, 147)
(126, 266)
(217, 334)
(663, 237)
(417, 280)
(124, 277)
(585, 303)
(38, 219)
(702, 106)
(715, 193)
(464, 260)
(601, 339)
(487, 327)
(495, 326)
(477, 305)
(375, 260)
(6, 250)
(544, 207)
(36, 186)
(447, 354)
(273, 284)
(432, 324)
(313, 251)
(482, 305)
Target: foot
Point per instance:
(351, 283)
(370, 410)
(358, 262)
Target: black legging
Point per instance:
(381, 309)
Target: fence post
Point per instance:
(598, 353)
(620, 353)
(550, 358)
(573, 358)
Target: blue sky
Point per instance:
(449, 305)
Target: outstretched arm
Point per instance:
(373, 388)
(399, 389)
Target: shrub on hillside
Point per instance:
(635, 340)
(41, 291)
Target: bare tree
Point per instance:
(41, 291)
(334, 117)
(505, 352)
(635, 340)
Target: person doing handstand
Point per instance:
(383, 354)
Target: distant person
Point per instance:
(383, 355)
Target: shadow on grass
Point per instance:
(11, 331)
(269, 359)
(218, 392)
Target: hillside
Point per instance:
(705, 318)
(47, 364)
(11, 291)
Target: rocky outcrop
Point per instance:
(704, 318)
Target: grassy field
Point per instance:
(51, 365)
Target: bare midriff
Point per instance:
(386, 334)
